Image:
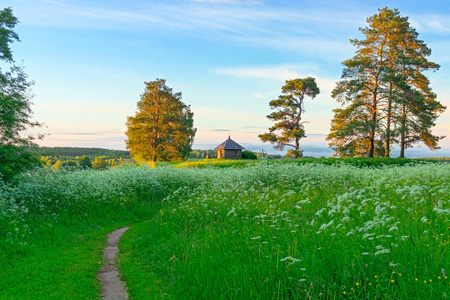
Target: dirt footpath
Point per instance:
(113, 287)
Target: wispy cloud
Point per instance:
(97, 133)
(426, 23)
(281, 73)
(227, 1)
(255, 25)
(277, 72)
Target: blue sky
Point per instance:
(229, 58)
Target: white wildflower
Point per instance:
(383, 251)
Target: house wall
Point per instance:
(233, 154)
(236, 154)
(220, 153)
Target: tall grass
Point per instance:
(293, 231)
(53, 226)
(267, 230)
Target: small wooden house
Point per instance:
(229, 149)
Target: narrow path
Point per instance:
(113, 287)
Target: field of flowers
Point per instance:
(53, 225)
(266, 230)
(289, 231)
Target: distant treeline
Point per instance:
(196, 153)
(201, 154)
(79, 151)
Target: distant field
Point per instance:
(234, 230)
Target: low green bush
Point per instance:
(246, 154)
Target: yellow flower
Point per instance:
(357, 283)
(416, 279)
(392, 280)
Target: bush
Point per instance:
(15, 159)
(85, 162)
(249, 155)
(99, 163)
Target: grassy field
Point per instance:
(246, 230)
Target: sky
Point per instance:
(89, 61)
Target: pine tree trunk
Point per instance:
(402, 134)
(387, 152)
(372, 143)
(373, 125)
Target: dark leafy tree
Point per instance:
(163, 127)
(15, 102)
(85, 162)
(288, 128)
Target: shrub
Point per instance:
(85, 162)
(99, 163)
(15, 159)
(249, 155)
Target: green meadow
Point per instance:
(317, 229)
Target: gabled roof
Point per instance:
(229, 145)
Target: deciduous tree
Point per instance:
(15, 102)
(288, 128)
(162, 129)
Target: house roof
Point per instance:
(229, 145)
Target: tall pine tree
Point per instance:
(376, 90)
(288, 128)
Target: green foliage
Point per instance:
(162, 129)
(385, 97)
(80, 151)
(15, 111)
(196, 153)
(57, 165)
(246, 154)
(289, 129)
(14, 160)
(115, 162)
(360, 162)
(7, 35)
(99, 163)
(85, 162)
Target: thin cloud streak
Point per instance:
(280, 73)
(250, 25)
